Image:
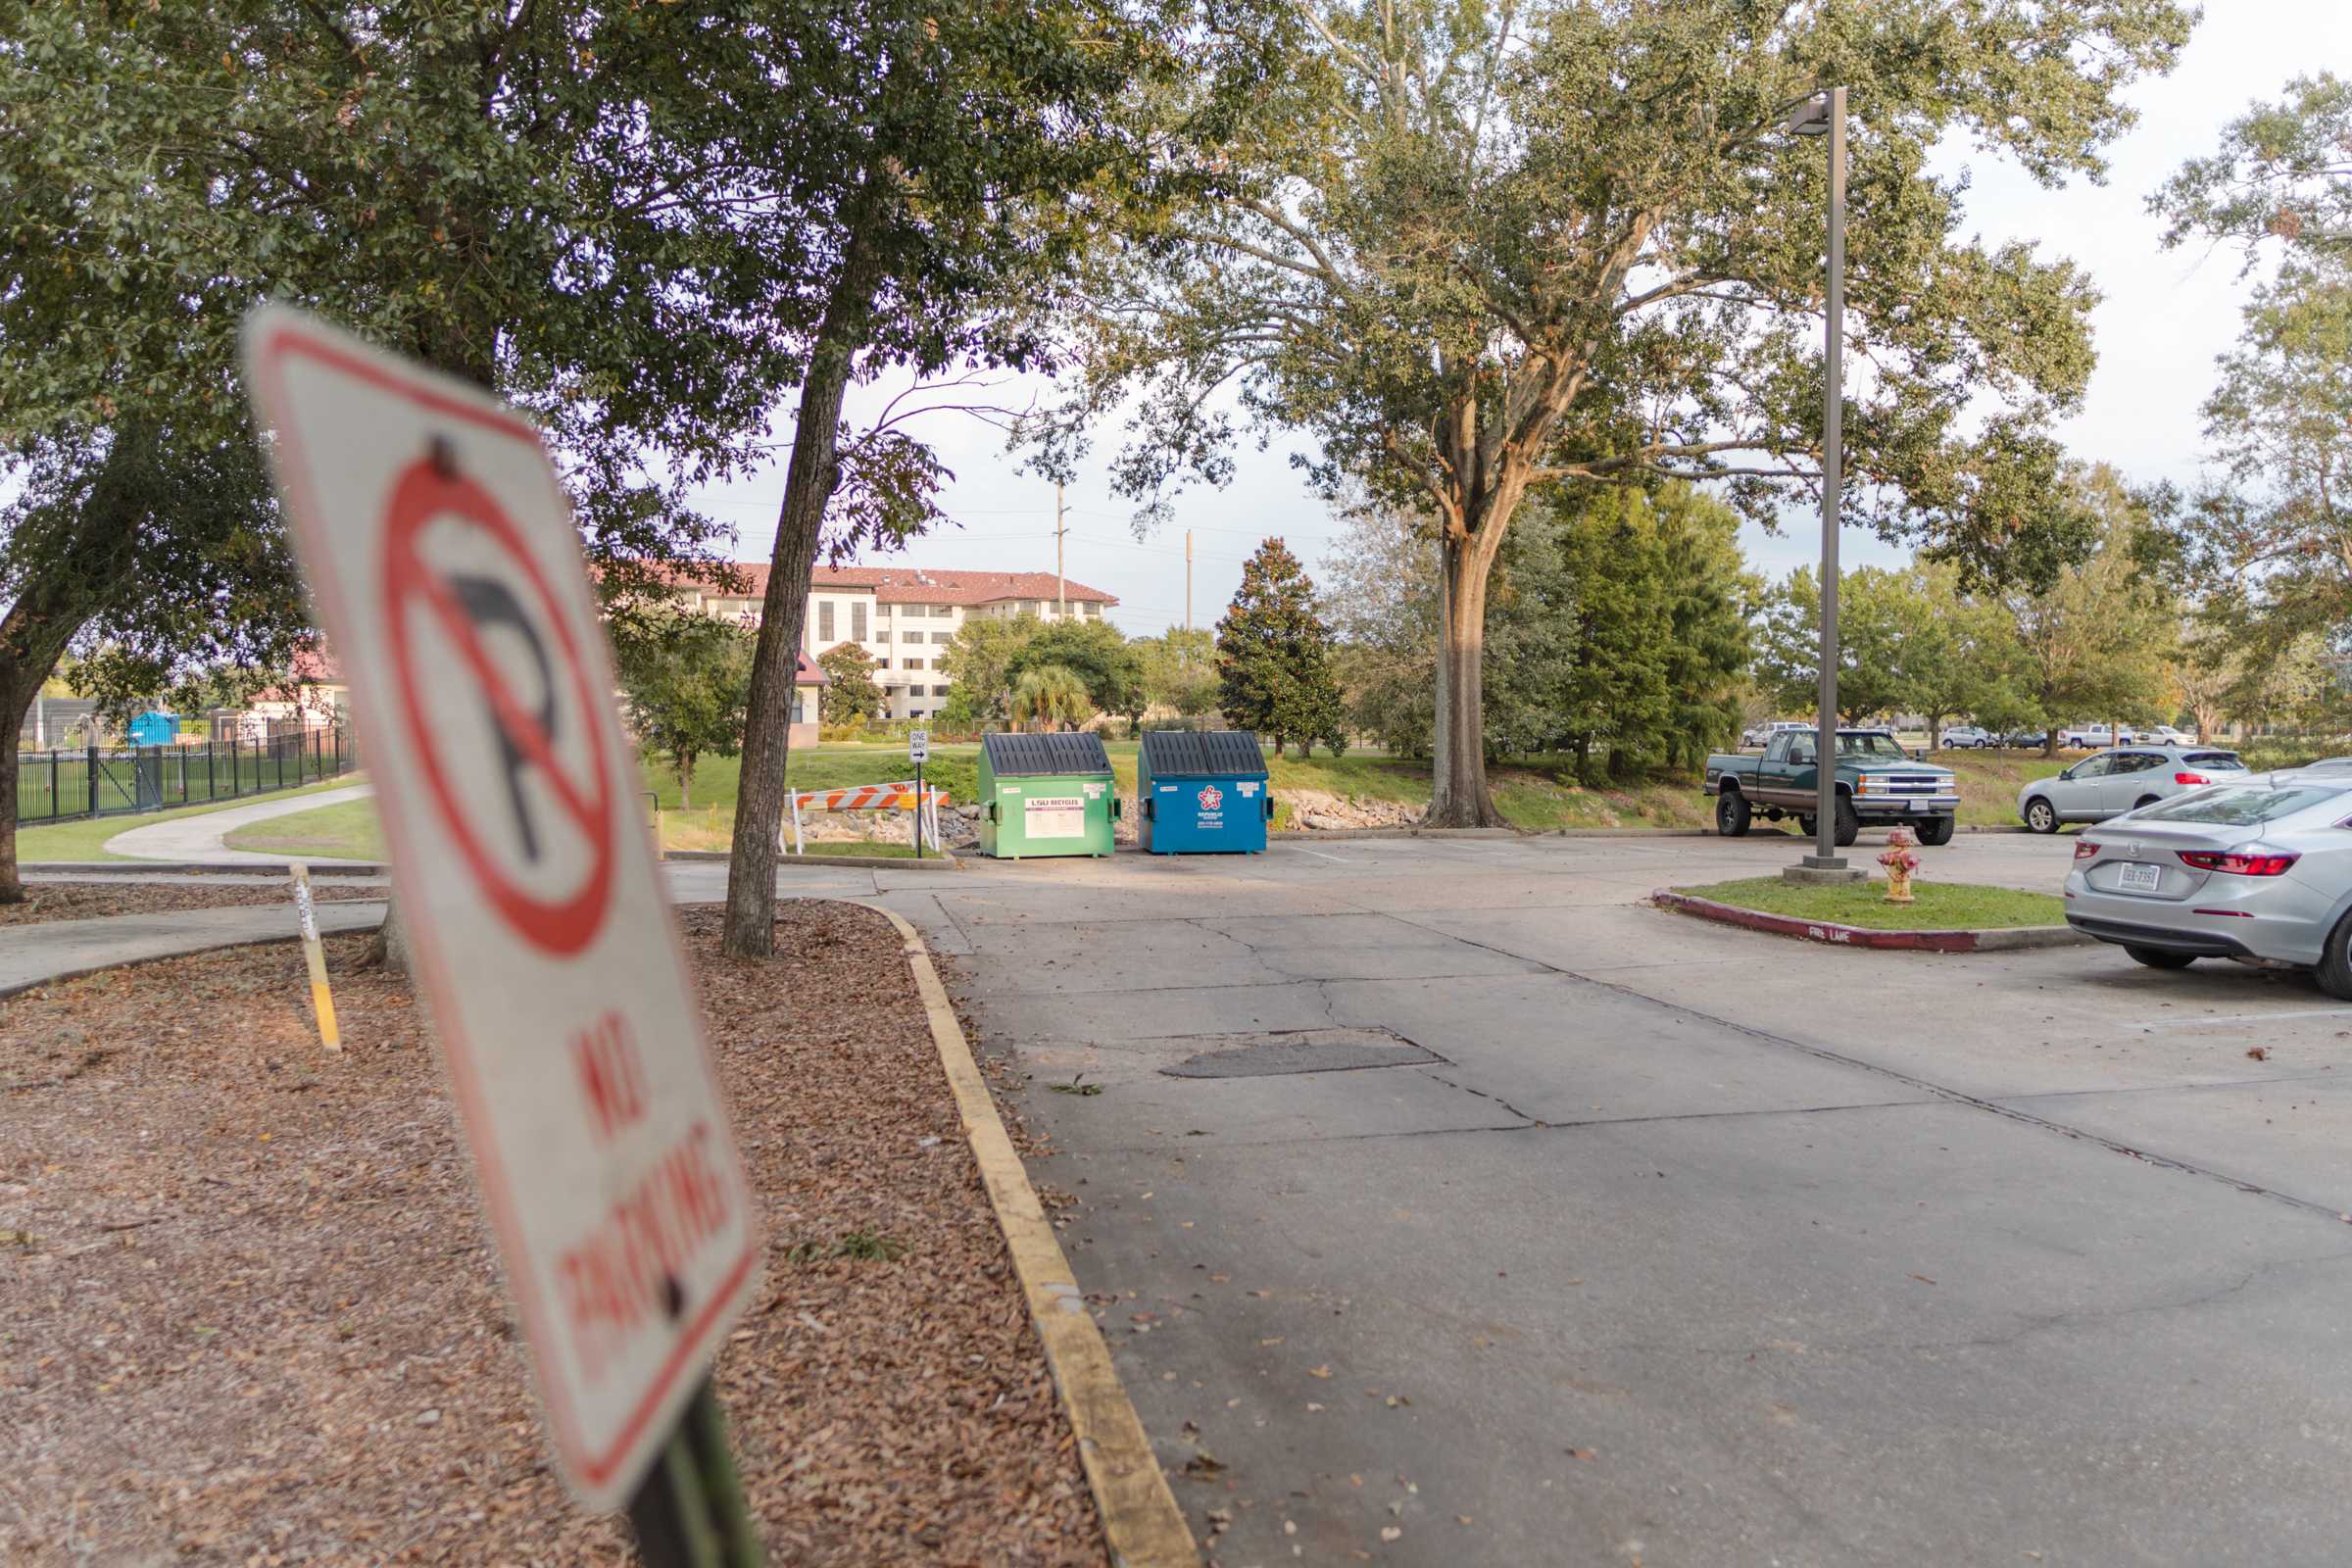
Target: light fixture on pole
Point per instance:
(1824, 115)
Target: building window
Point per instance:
(882, 610)
(824, 620)
(856, 621)
(882, 636)
(943, 636)
(799, 707)
(1093, 607)
(943, 612)
(911, 664)
(939, 691)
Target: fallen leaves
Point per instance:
(324, 1283)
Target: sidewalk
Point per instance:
(190, 839)
(59, 950)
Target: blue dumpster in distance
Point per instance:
(1201, 792)
(152, 728)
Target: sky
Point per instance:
(2164, 318)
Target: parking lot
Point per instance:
(1447, 1203)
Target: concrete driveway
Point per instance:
(1447, 1205)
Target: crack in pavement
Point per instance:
(1927, 1086)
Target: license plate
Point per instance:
(2134, 877)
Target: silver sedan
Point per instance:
(2257, 869)
(2121, 780)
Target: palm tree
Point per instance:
(1050, 695)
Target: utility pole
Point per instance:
(1188, 579)
(1824, 115)
(1061, 586)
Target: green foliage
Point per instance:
(1469, 249)
(1274, 656)
(980, 662)
(2097, 644)
(1180, 671)
(1910, 641)
(1939, 905)
(2281, 175)
(1618, 630)
(1093, 651)
(1049, 696)
(686, 678)
(851, 695)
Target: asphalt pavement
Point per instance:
(1447, 1205)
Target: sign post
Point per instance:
(323, 1000)
(918, 751)
(446, 569)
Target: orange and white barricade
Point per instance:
(899, 797)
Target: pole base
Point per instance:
(1815, 871)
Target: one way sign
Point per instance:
(446, 571)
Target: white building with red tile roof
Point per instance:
(905, 617)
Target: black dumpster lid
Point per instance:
(1217, 754)
(1035, 756)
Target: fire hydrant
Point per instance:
(1899, 862)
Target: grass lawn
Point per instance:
(1990, 781)
(1936, 906)
(84, 840)
(348, 831)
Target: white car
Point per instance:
(1967, 736)
(2088, 737)
(2121, 780)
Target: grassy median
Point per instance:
(1934, 906)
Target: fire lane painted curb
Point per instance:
(1141, 1522)
(2009, 939)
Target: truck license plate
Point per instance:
(2136, 877)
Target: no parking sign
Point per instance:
(445, 566)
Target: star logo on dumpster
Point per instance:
(1211, 797)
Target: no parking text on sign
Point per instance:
(445, 566)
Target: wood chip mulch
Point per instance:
(249, 1312)
(91, 901)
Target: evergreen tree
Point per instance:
(1274, 656)
(850, 696)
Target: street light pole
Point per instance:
(1825, 112)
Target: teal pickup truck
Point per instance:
(1877, 781)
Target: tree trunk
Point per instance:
(1458, 793)
(13, 705)
(808, 485)
(685, 781)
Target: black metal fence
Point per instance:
(54, 786)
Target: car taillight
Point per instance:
(2084, 848)
(2237, 865)
(2191, 778)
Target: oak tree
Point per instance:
(1472, 249)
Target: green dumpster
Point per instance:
(1045, 795)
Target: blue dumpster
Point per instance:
(152, 728)
(1201, 792)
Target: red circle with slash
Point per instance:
(422, 495)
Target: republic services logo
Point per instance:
(1211, 797)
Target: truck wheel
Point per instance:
(1807, 825)
(1936, 831)
(1732, 815)
(2040, 816)
(1847, 824)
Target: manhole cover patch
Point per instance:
(1294, 1051)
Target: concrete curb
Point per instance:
(943, 861)
(1141, 1520)
(19, 988)
(1301, 835)
(2010, 939)
(323, 868)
